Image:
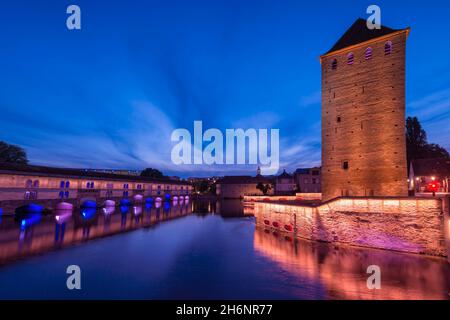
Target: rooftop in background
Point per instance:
(76, 173)
(307, 171)
(114, 171)
(430, 167)
(244, 180)
(284, 175)
(359, 33)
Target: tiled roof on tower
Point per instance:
(359, 33)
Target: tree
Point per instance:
(152, 173)
(202, 186)
(417, 146)
(264, 188)
(205, 186)
(433, 150)
(12, 154)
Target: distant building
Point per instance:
(428, 175)
(308, 180)
(285, 184)
(235, 187)
(363, 114)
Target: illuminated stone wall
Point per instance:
(236, 191)
(363, 120)
(297, 197)
(413, 225)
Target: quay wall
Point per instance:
(297, 197)
(415, 225)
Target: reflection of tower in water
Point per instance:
(342, 270)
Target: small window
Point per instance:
(388, 48)
(368, 53)
(67, 184)
(334, 64)
(36, 183)
(62, 184)
(350, 58)
(61, 194)
(338, 119)
(28, 184)
(66, 194)
(345, 165)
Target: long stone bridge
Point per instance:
(46, 186)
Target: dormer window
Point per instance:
(350, 59)
(388, 48)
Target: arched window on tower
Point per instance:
(334, 64)
(388, 48)
(368, 53)
(350, 58)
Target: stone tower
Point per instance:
(363, 114)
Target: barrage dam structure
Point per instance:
(46, 186)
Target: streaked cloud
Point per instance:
(433, 111)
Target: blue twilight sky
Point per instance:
(110, 95)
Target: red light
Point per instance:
(433, 187)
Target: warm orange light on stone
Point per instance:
(363, 117)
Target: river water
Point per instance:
(197, 250)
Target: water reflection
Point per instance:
(342, 270)
(220, 243)
(61, 219)
(35, 233)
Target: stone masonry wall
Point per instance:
(363, 115)
(413, 225)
